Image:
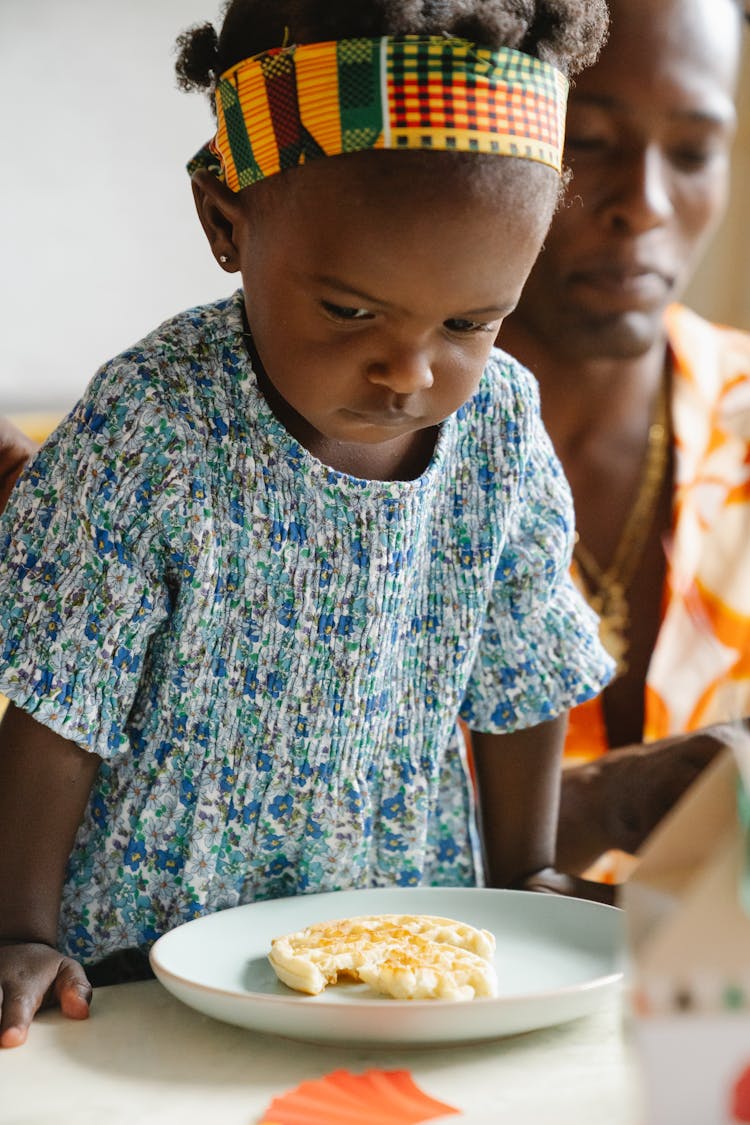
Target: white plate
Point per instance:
(557, 959)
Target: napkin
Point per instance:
(377, 1097)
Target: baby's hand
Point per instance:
(34, 976)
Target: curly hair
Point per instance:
(567, 33)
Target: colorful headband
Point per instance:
(289, 105)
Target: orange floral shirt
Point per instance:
(699, 672)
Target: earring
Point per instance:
(223, 258)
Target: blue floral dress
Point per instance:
(270, 657)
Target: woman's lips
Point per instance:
(626, 285)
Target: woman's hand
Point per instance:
(15, 450)
(34, 976)
(617, 800)
(552, 882)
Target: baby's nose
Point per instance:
(405, 371)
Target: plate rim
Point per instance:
(589, 985)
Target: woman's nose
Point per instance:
(640, 197)
(405, 371)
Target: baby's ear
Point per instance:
(221, 214)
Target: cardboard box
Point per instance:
(688, 924)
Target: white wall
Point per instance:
(721, 288)
(99, 240)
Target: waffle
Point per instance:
(407, 956)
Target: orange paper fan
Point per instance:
(377, 1097)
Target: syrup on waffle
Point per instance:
(407, 956)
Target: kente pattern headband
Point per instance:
(292, 104)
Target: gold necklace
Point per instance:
(606, 589)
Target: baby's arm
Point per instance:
(518, 779)
(45, 782)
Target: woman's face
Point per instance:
(375, 287)
(648, 140)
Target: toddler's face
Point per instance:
(374, 298)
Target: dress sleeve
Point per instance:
(84, 571)
(539, 653)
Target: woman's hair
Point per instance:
(566, 33)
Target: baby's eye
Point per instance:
(458, 324)
(343, 312)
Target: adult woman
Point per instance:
(647, 406)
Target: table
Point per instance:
(143, 1058)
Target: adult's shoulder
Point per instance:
(708, 355)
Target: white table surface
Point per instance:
(143, 1058)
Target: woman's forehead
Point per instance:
(690, 45)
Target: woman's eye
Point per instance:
(458, 324)
(343, 312)
(692, 159)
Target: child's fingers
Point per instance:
(18, 1010)
(72, 990)
(31, 976)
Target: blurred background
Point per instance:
(100, 240)
(99, 237)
